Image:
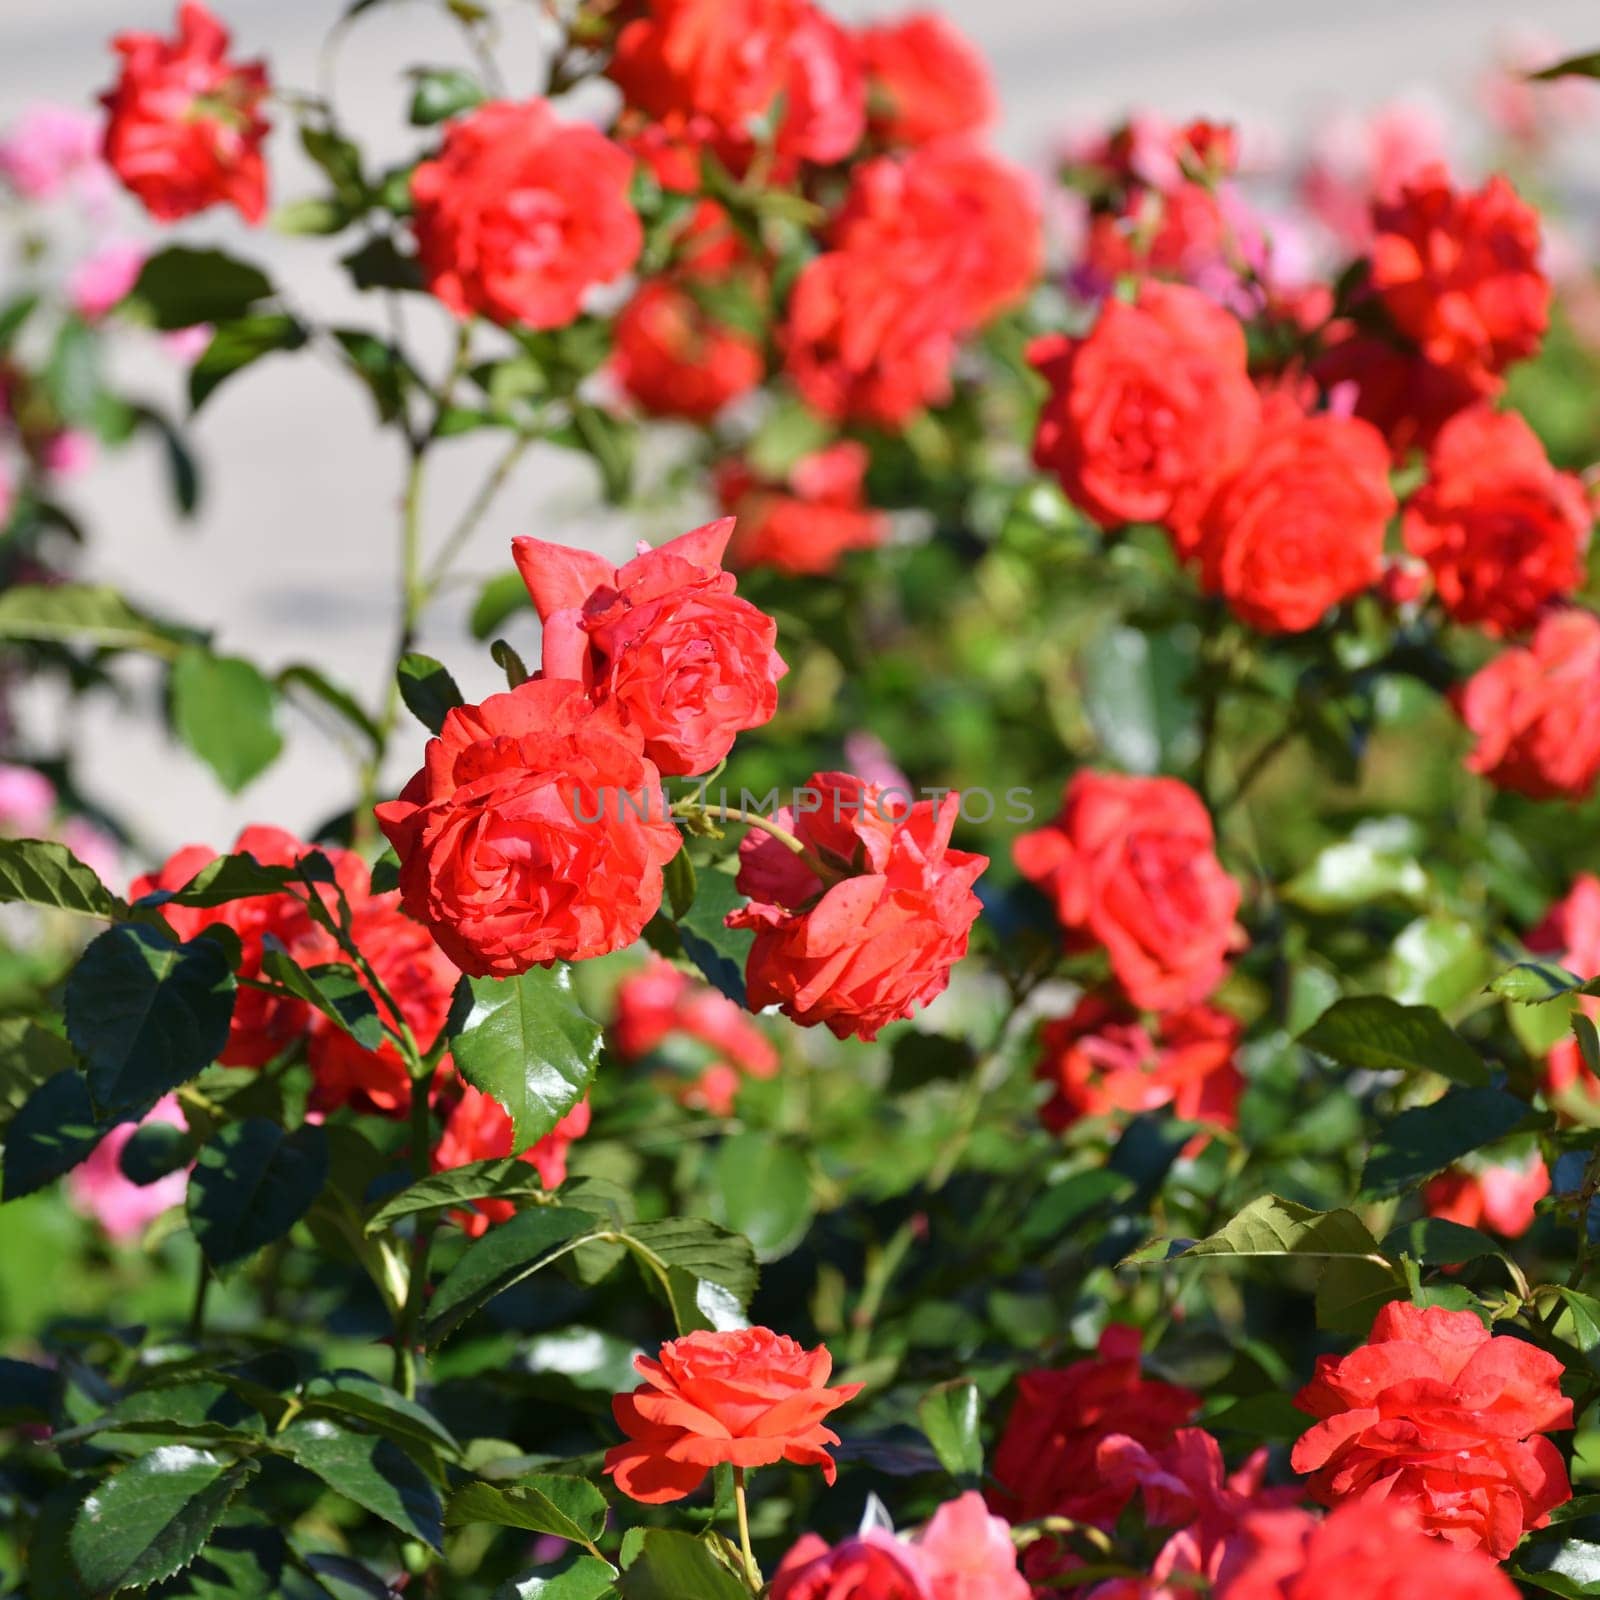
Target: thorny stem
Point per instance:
(751, 1570)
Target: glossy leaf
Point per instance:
(568, 1508)
(502, 1179)
(335, 989)
(428, 690)
(372, 1471)
(55, 1129)
(718, 951)
(1378, 1034)
(251, 1183)
(1426, 1139)
(952, 1417)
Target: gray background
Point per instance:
(293, 553)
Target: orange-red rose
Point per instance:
(675, 359)
(873, 1566)
(1130, 864)
(925, 80)
(535, 831)
(1406, 397)
(1102, 1059)
(1503, 1198)
(663, 641)
(877, 937)
(520, 215)
(1502, 530)
(806, 521)
(1436, 1417)
(185, 126)
(1570, 931)
(1299, 527)
(1363, 1551)
(1149, 411)
(748, 1399)
(1459, 272)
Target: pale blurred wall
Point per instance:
(292, 555)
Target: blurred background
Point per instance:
(292, 552)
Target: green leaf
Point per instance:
(498, 599)
(704, 1254)
(1426, 1139)
(1588, 1040)
(151, 1519)
(762, 1189)
(154, 1152)
(228, 878)
(1272, 1226)
(609, 440)
(1353, 873)
(378, 264)
(223, 708)
(313, 216)
(251, 1183)
(302, 675)
(335, 989)
(679, 878)
(85, 614)
(1435, 1242)
(243, 1560)
(718, 951)
(179, 287)
(570, 1508)
(389, 377)
(146, 1015)
(1560, 1565)
(1052, 1216)
(28, 1393)
(583, 1577)
(373, 1472)
(1377, 1034)
(504, 1256)
(1584, 66)
(53, 1132)
(240, 344)
(1535, 982)
(1134, 695)
(442, 92)
(530, 1045)
(354, 1394)
(952, 1417)
(505, 1179)
(1584, 1312)
(427, 689)
(1438, 960)
(39, 872)
(510, 663)
(674, 1566)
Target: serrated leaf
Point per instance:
(40, 872)
(674, 1566)
(1426, 1139)
(152, 1518)
(228, 878)
(1535, 982)
(355, 1394)
(701, 1249)
(429, 692)
(53, 1132)
(372, 1471)
(569, 1508)
(1272, 1226)
(529, 1045)
(952, 1417)
(146, 1015)
(1377, 1034)
(223, 708)
(335, 989)
(504, 1179)
(252, 1181)
(1436, 1242)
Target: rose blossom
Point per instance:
(478, 1128)
(48, 148)
(520, 215)
(1459, 272)
(1535, 711)
(1570, 931)
(1500, 1197)
(1366, 1550)
(662, 640)
(968, 1554)
(804, 522)
(1130, 864)
(535, 831)
(673, 358)
(96, 1187)
(872, 1566)
(1435, 1416)
(1503, 531)
(101, 282)
(1404, 396)
(1103, 1059)
(1044, 1464)
(1298, 528)
(876, 937)
(925, 80)
(1358, 158)
(748, 1398)
(185, 126)
(1149, 410)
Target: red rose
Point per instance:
(873, 1566)
(535, 831)
(662, 640)
(733, 63)
(675, 359)
(1363, 1551)
(1570, 931)
(1502, 530)
(520, 215)
(1535, 711)
(479, 1129)
(968, 1554)
(1045, 1462)
(1502, 1198)
(878, 938)
(748, 1399)
(925, 80)
(1299, 527)
(1130, 864)
(805, 522)
(1434, 1416)
(1459, 272)
(1149, 411)
(1102, 1059)
(263, 1024)
(1404, 396)
(185, 126)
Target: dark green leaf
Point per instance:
(1377, 1034)
(54, 1131)
(498, 599)
(238, 877)
(380, 265)
(569, 1508)
(762, 1189)
(237, 345)
(179, 287)
(389, 377)
(1426, 1139)
(243, 1560)
(504, 1179)
(952, 1417)
(146, 1015)
(679, 878)
(372, 1471)
(336, 990)
(529, 1044)
(1584, 66)
(701, 1249)
(28, 1393)
(1560, 1565)
(252, 1182)
(427, 689)
(154, 1152)
(223, 708)
(718, 951)
(442, 92)
(581, 1577)
(1434, 1242)
(151, 1519)
(39, 872)
(510, 663)
(675, 1566)
(354, 1394)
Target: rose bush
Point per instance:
(1015, 1016)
